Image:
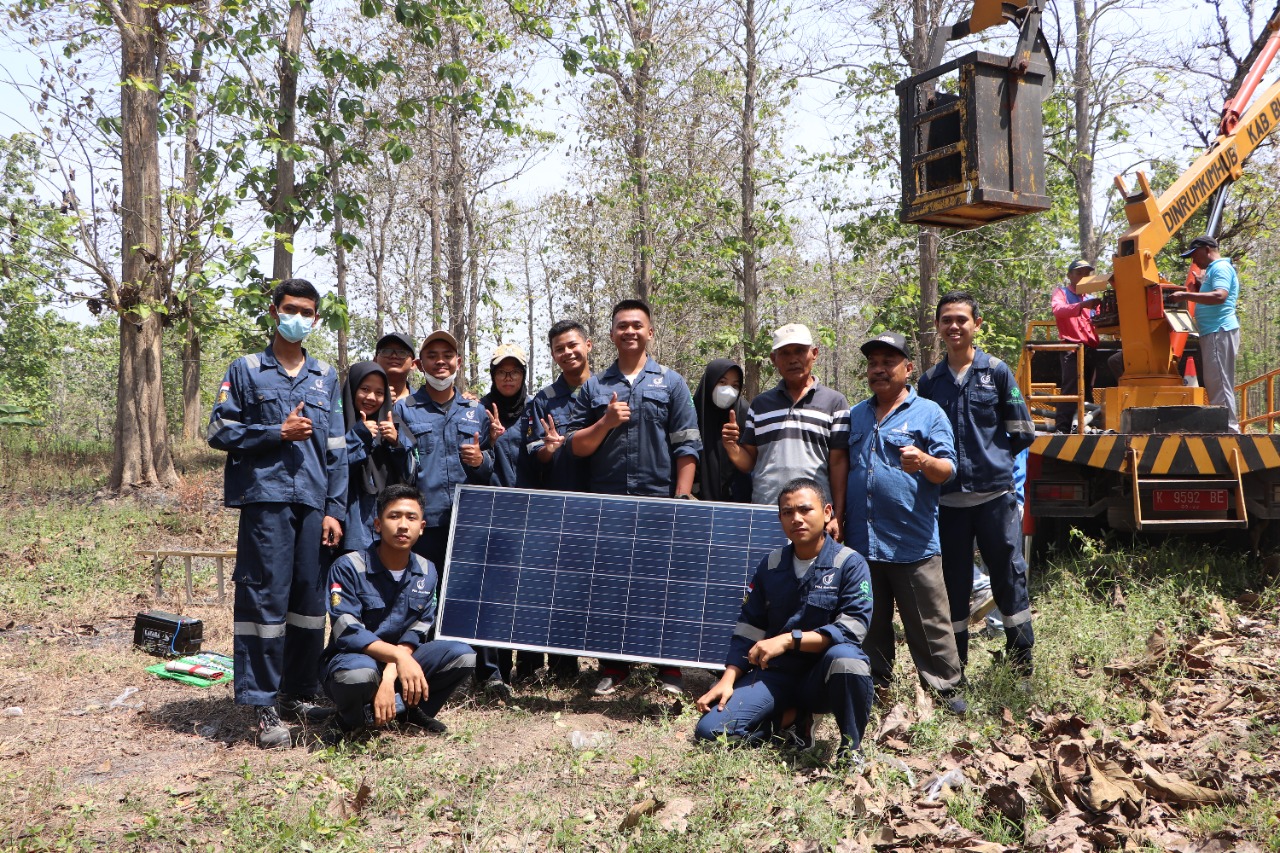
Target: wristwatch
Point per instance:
(796, 636)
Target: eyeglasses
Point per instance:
(398, 354)
(509, 374)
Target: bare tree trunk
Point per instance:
(1082, 157)
(472, 340)
(455, 220)
(923, 27)
(192, 419)
(433, 210)
(339, 251)
(141, 454)
(642, 260)
(750, 284)
(530, 299)
(283, 220)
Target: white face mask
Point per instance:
(443, 383)
(724, 396)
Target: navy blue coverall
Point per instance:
(834, 598)
(284, 489)
(435, 434)
(992, 425)
(565, 472)
(366, 604)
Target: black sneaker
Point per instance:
(800, 734)
(272, 733)
(497, 688)
(304, 709)
(954, 703)
(415, 716)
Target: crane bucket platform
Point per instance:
(974, 155)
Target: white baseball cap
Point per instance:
(792, 333)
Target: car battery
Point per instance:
(167, 634)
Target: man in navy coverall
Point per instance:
(382, 604)
(637, 425)
(279, 416)
(798, 641)
(992, 425)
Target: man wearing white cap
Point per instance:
(800, 428)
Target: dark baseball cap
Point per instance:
(1080, 264)
(892, 340)
(395, 338)
(1204, 241)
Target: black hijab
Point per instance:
(718, 478)
(376, 472)
(510, 409)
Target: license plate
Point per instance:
(1194, 500)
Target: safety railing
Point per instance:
(1261, 388)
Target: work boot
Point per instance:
(415, 716)
(272, 732)
(304, 709)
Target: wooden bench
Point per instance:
(158, 556)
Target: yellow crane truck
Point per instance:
(1160, 458)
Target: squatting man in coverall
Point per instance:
(796, 649)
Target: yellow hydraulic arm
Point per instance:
(1143, 328)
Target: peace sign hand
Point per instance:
(552, 438)
(496, 429)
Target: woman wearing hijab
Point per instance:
(718, 395)
(505, 403)
(375, 455)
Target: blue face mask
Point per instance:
(294, 327)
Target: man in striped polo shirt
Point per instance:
(798, 429)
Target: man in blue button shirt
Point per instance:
(637, 425)
(901, 451)
(797, 644)
(278, 415)
(379, 665)
(992, 425)
(1217, 290)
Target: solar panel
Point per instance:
(609, 576)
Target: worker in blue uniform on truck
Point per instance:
(991, 425)
(380, 665)
(278, 415)
(797, 648)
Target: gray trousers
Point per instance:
(1218, 357)
(920, 593)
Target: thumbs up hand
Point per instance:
(731, 432)
(471, 454)
(387, 429)
(617, 413)
(296, 427)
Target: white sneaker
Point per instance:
(607, 686)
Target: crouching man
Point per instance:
(797, 645)
(379, 665)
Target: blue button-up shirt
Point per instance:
(255, 399)
(565, 471)
(989, 420)
(890, 515)
(436, 434)
(367, 604)
(833, 598)
(638, 457)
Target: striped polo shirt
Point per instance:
(794, 439)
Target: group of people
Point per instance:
(1213, 288)
(346, 489)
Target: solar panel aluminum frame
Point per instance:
(777, 540)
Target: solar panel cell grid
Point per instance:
(607, 576)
